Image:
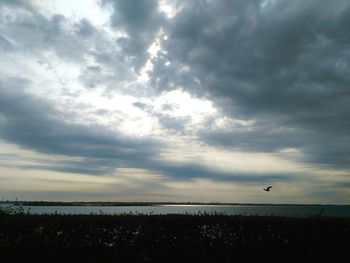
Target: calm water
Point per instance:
(307, 210)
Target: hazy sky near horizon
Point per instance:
(174, 100)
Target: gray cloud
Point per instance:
(172, 123)
(263, 137)
(5, 43)
(181, 171)
(33, 123)
(284, 65)
(33, 33)
(140, 105)
(28, 32)
(85, 166)
(141, 21)
(13, 2)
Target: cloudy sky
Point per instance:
(174, 100)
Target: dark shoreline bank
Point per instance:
(169, 238)
(111, 203)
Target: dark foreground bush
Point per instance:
(174, 238)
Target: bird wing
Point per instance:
(269, 187)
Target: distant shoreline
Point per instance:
(96, 203)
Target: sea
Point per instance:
(261, 210)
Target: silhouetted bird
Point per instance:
(267, 189)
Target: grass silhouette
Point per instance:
(165, 238)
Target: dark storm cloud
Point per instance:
(285, 64)
(261, 137)
(87, 166)
(188, 171)
(32, 123)
(141, 21)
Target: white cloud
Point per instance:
(172, 95)
(76, 10)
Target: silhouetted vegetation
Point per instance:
(165, 238)
(11, 210)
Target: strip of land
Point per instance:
(102, 203)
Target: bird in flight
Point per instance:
(267, 189)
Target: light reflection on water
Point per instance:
(281, 210)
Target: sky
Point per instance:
(174, 100)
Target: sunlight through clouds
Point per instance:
(177, 100)
(75, 10)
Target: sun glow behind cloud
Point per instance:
(160, 100)
(75, 10)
